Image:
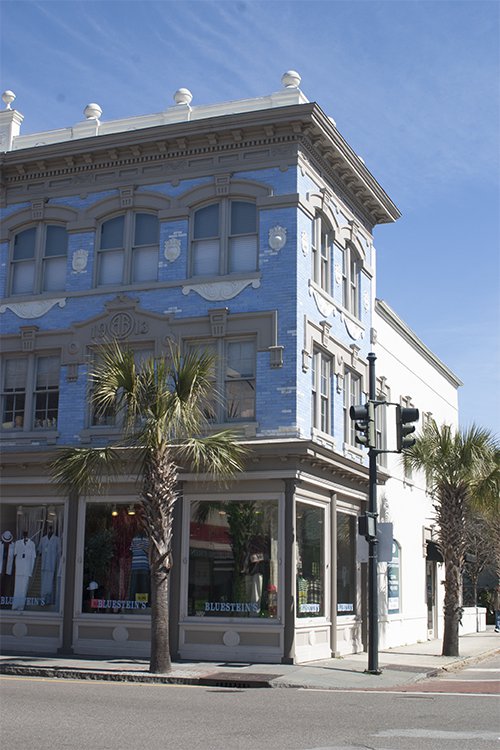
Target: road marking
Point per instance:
(437, 734)
(405, 692)
(64, 681)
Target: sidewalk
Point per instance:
(399, 666)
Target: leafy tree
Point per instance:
(161, 404)
(463, 470)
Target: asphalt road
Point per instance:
(70, 715)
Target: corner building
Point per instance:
(244, 228)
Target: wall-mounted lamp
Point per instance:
(131, 510)
(20, 510)
(114, 510)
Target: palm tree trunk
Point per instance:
(160, 661)
(452, 609)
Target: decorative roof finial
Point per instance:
(291, 79)
(92, 111)
(183, 96)
(8, 97)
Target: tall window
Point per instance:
(321, 391)
(224, 239)
(352, 397)
(39, 260)
(310, 534)
(128, 249)
(322, 239)
(30, 393)
(234, 379)
(346, 564)
(394, 580)
(351, 274)
(233, 559)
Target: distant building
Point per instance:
(244, 228)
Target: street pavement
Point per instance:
(405, 665)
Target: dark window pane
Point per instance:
(112, 233)
(56, 242)
(206, 222)
(146, 230)
(243, 218)
(24, 244)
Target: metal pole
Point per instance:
(372, 542)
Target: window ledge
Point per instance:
(25, 436)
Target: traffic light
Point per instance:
(363, 417)
(405, 415)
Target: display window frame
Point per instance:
(93, 614)
(352, 512)
(394, 565)
(308, 621)
(48, 549)
(191, 500)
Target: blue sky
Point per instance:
(412, 85)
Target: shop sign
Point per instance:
(232, 607)
(117, 604)
(312, 608)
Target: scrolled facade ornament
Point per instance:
(28, 310)
(220, 290)
(277, 238)
(304, 243)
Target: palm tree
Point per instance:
(162, 404)
(463, 471)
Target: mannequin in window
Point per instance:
(24, 557)
(6, 563)
(50, 550)
(258, 558)
(139, 574)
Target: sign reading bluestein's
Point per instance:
(246, 607)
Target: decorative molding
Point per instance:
(172, 248)
(304, 243)
(80, 260)
(28, 334)
(215, 291)
(218, 322)
(33, 309)
(366, 301)
(325, 332)
(373, 335)
(306, 360)
(338, 274)
(325, 307)
(277, 238)
(354, 330)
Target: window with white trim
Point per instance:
(322, 240)
(233, 377)
(30, 392)
(352, 397)
(38, 260)
(224, 238)
(127, 251)
(351, 275)
(321, 389)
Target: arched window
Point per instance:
(128, 249)
(224, 238)
(39, 256)
(322, 239)
(351, 274)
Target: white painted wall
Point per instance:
(411, 370)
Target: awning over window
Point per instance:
(433, 552)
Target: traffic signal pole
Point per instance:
(373, 667)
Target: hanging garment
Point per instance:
(24, 555)
(50, 550)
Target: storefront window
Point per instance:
(310, 560)
(116, 577)
(31, 539)
(393, 581)
(233, 559)
(346, 564)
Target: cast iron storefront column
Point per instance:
(288, 556)
(71, 526)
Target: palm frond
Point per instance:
(86, 470)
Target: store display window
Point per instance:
(346, 564)
(116, 574)
(31, 543)
(393, 581)
(233, 559)
(310, 560)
